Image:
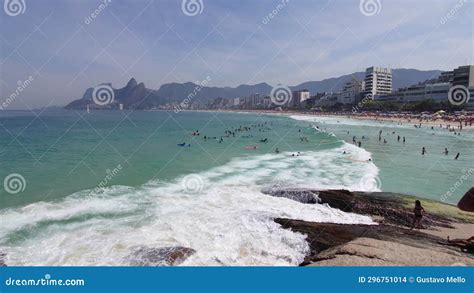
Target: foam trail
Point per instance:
(227, 220)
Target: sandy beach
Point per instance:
(443, 122)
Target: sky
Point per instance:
(66, 46)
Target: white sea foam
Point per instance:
(228, 221)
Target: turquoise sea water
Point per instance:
(403, 169)
(206, 196)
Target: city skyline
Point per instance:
(249, 43)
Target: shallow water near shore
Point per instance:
(61, 218)
(403, 169)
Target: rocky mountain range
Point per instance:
(136, 96)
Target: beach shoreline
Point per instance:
(365, 116)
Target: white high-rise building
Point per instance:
(378, 81)
(298, 97)
(256, 100)
(236, 102)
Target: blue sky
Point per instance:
(229, 41)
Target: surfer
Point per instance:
(423, 150)
(457, 156)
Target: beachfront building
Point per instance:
(299, 98)
(236, 102)
(416, 93)
(256, 100)
(438, 89)
(267, 102)
(328, 100)
(350, 92)
(463, 75)
(378, 81)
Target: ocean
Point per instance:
(92, 188)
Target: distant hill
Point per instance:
(137, 96)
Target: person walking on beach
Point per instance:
(417, 215)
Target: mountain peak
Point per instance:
(132, 82)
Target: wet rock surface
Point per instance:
(164, 256)
(303, 196)
(390, 207)
(356, 244)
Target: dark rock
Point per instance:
(164, 256)
(3, 259)
(467, 201)
(388, 206)
(303, 196)
(322, 236)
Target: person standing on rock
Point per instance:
(418, 215)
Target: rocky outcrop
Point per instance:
(391, 242)
(392, 208)
(303, 196)
(164, 256)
